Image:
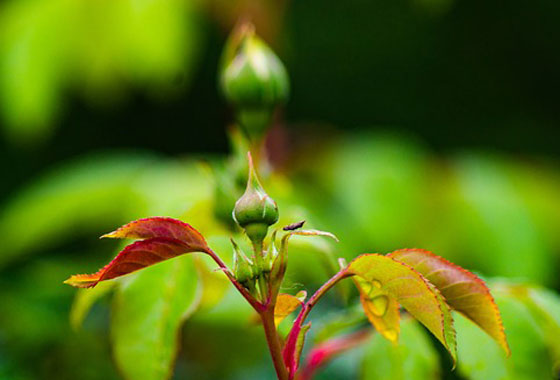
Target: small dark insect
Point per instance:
(294, 226)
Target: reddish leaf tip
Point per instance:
(497, 333)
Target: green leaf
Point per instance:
(149, 309)
(337, 322)
(89, 193)
(488, 206)
(544, 306)
(371, 176)
(547, 309)
(482, 358)
(85, 299)
(414, 358)
(418, 296)
(463, 290)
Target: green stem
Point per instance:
(274, 345)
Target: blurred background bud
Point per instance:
(254, 80)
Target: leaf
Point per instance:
(338, 322)
(482, 359)
(293, 347)
(84, 300)
(286, 304)
(488, 206)
(166, 239)
(299, 346)
(544, 306)
(370, 176)
(311, 233)
(148, 311)
(160, 226)
(87, 194)
(135, 256)
(547, 312)
(414, 358)
(381, 310)
(421, 299)
(323, 353)
(463, 290)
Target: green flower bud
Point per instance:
(253, 79)
(255, 210)
(242, 266)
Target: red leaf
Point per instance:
(160, 226)
(326, 351)
(463, 290)
(165, 238)
(294, 345)
(134, 257)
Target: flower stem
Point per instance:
(259, 307)
(274, 345)
(321, 292)
(262, 281)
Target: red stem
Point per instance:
(289, 352)
(259, 307)
(266, 312)
(274, 345)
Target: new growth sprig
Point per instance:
(413, 281)
(427, 286)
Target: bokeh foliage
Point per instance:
(77, 77)
(437, 209)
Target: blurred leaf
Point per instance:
(174, 188)
(378, 181)
(420, 298)
(548, 315)
(90, 192)
(413, 358)
(100, 48)
(481, 358)
(544, 306)
(324, 352)
(84, 300)
(463, 290)
(337, 322)
(165, 238)
(149, 309)
(489, 208)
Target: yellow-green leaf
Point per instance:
(286, 304)
(410, 289)
(381, 309)
(463, 290)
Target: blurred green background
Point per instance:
(411, 123)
